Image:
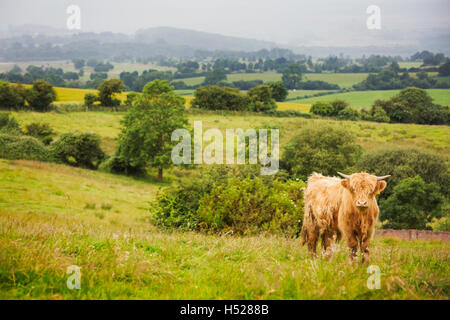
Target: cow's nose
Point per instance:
(361, 203)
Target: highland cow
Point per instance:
(336, 208)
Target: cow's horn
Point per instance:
(383, 177)
(343, 175)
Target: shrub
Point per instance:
(279, 91)
(379, 115)
(349, 113)
(260, 99)
(249, 206)
(120, 165)
(325, 149)
(41, 131)
(264, 204)
(90, 99)
(412, 205)
(11, 96)
(9, 124)
(22, 148)
(338, 106)
(219, 98)
(322, 108)
(78, 149)
(404, 162)
(41, 95)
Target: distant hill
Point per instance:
(199, 40)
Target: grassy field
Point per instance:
(99, 222)
(364, 99)
(370, 134)
(344, 80)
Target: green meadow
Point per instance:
(54, 216)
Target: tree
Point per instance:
(338, 106)
(412, 205)
(444, 70)
(260, 99)
(106, 91)
(403, 162)
(325, 149)
(219, 98)
(90, 99)
(279, 91)
(11, 96)
(214, 77)
(292, 76)
(145, 139)
(78, 63)
(41, 95)
(349, 113)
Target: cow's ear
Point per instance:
(345, 183)
(380, 186)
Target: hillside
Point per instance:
(99, 222)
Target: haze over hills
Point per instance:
(18, 41)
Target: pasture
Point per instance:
(99, 222)
(370, 134)
(364, 99)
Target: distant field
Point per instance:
(344, 80)
(364, 99)
(409, 64)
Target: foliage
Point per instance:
(349, 113)
(90, 99)
(41, 131)
(80, 149)
(405, 162)
(106, 91)
(214, 77)
(253, 205)
(16, 147)
(41, 95)
(9, 124)
(412, 205)
(322, 108)
(147, 127)
(11, 97)
(219, 98)
(292, 76)
(260, 99)
(325, 149)
(279, 91)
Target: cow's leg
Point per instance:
(313, 237)
(327, 241)
(352, 243)
(365, 244)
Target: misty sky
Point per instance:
(282, 21)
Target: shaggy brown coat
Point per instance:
(337, 207)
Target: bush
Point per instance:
(9, 124)
(11, 96)
(41, 131)
(412, 205)
(22, 148)
(379, 115)
(260, 99)
(120, 165)
(78, 149)
(338, 106)
(90, 99)
(107, 90)
(349, 113)
(219, 98)
(322, 108)
(263, 204)
(249, 206)
(404, 162)
(279, 91)
(41, 95)
(325, 149)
